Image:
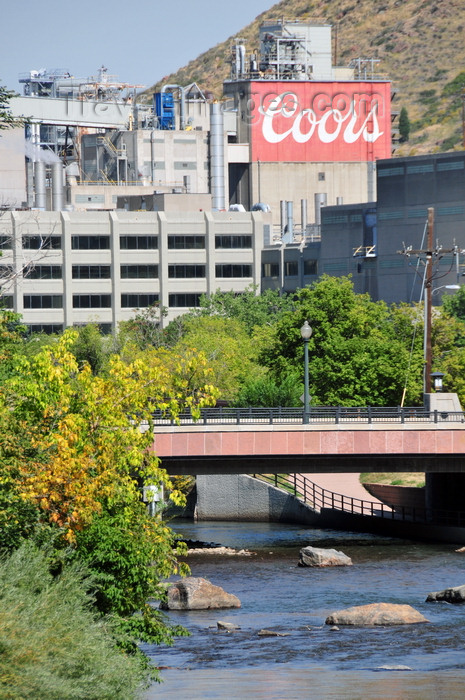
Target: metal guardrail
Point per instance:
(319, 498)
(333, 415)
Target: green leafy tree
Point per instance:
(404, 125)
(454, 304)
(356, 356)
(230, 352)
(144, 330)
(269, 391)
(89, 347)
(248, 307)
(76, 450)
(7, 120)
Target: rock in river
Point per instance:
(193, 593)
(376, 614)
(450, 595)
(316, 556)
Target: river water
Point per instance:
(311, 660)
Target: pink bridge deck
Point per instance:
(274, 449)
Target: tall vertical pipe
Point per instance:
(57, 186)
(290, 220)
(320, 201)
(217, 157)
(282, 208)
(30, 184)
(303, 215)
(39, 184)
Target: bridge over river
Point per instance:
(335, 440)
(273, 441)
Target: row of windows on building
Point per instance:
(103, 301)
(132, 242)
(291, 268)
(49, 328)
(92, 272)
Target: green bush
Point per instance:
(268, 391)
(51, 645)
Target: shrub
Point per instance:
(52, 647)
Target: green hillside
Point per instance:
(419, 43)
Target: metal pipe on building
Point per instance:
(39, 185)
(57, 186)
(282, 208)
(30, 184)
(217, 157)
(290, 220)
(152, 155)
(321, 200)
(303, 215)
(35, 140)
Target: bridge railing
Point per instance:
(333, 415)
(319, 499)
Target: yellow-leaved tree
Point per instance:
(75, 452)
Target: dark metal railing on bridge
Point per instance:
(317, 415)
(319, 499)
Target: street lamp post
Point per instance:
(306, 333)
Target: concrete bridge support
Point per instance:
(239, 497)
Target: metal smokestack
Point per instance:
(320, 201)
(39, 184)
(217, 157)
(57, 187)
(290, 220)
(303, 215)
(30, 184)
(282, 209)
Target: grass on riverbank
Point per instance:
(393, 478)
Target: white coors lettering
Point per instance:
(277, 108)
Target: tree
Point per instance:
(7, 120)
(267, 391)
(404, 125)
(144, 330)
(231, 353)
(356, 356)
(76, 450)
(248, 307)
(90, 347)
(454, 304)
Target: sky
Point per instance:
(138, 42)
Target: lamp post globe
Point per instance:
(306, 333)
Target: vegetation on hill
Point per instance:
(419, 44)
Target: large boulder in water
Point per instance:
(316, 556)
(376, 614)
(198, 594)
(450, 595)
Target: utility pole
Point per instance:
(429, 257)
(428, 302)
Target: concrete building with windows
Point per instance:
(371, 240)
(62, 269)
